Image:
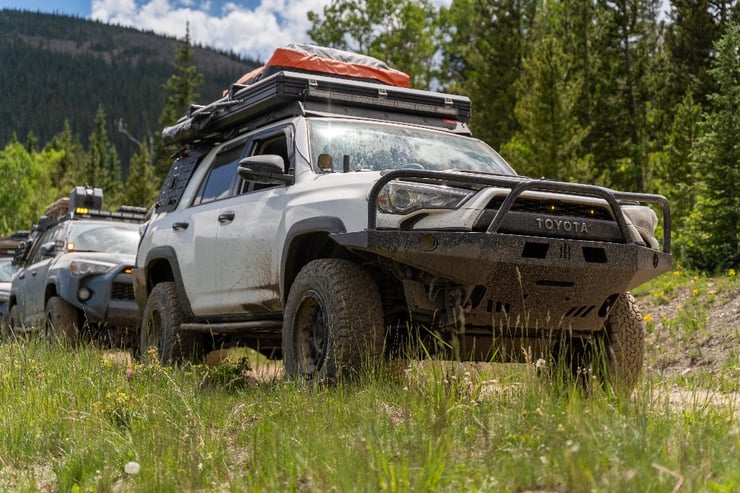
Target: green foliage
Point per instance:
(712, 237)
(180, 93)
(25, 174)
(102, 168)
(625, 44)
(548, 143)
(73, 420)
(59, 69)
(689, 39)
(142, 183)
(675, 167)
(485, 43)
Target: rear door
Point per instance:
(194, 234)
(248, 251)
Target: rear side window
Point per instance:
(222, 177)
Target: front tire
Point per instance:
(624, 343)
(63, 321)
(160, 328)
(14, 325)
(333, 321)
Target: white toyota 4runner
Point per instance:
(327, 220)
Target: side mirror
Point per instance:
(266, 169)
(47, 249)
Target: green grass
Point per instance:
(72, 420)
(700, 329)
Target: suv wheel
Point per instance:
(614, 356)
(62, 321)
(625, 343)
(333, 321)
(160, 328)
(10, 330)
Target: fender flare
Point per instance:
(167, 254)
(319, 224)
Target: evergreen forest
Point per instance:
(637, 95)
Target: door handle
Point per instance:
(180, 226)
(34, 274)
(226, 217)
(22, 275)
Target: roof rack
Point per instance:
(319, 93)
(85, 202)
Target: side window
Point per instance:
(273, 143)
(49, 236)
(221, 178)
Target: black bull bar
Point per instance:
(538, 278)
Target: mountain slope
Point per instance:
(57, 68)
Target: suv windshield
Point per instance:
(101, 237)
(374, 146)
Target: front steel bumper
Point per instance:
(529, 281)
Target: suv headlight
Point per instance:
(399, 197)
(89, 267)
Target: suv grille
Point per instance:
(555, 208)
(122, 291)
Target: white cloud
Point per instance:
(252, 32)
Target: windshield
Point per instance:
(374, 146)
(7, 269)
(101, 237)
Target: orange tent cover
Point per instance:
(309, 58)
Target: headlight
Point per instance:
(89, 267)
(399, 197)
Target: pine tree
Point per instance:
(676, 169)
(68, 174)
(485, 43)
(621, 137)
(181, 92)
(141, 185)
(103, 168)
(548, 143)
(689, 39)
(713, 234)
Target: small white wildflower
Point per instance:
(132, 468)
(540, 363)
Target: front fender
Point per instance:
(161, 265)
(292, 259)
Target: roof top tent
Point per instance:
(301, 80)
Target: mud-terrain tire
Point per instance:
(11, 329)
(624, 343)
(333, 322)
(63, 321)
(160, 329)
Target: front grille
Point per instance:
(543, 208)
(554, 208)
(122, 291)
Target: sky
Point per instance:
(252, 28)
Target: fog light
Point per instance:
(84, 294)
